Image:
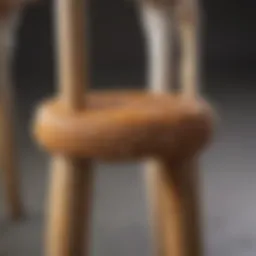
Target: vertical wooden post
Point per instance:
(176, 216)
(157, 27)
(71, 184)
(165, 229)
(9, 158)
(187, 16)
(69, 207)
(71, 51)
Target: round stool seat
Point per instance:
(125, 126)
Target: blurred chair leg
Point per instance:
(175, 209)
(9, 164)
(69, 208)
(187, 16)
(9, 161)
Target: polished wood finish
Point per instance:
(140, 125)
(176, 217)
(71, 180)
(170, 129)
(186, 127)
(69, 206)
(71, 44)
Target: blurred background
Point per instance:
(228, 174)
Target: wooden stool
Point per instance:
(78, 128)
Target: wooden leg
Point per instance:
(8, 159)
(69, 207)
(174, 209)
(187, 16)
(9, 163)
(158, 31)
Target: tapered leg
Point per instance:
(174, 208)
(69, 207)
(9, 163)
(8, 159)
(157, 27)
(187, 18)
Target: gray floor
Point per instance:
(120, 228)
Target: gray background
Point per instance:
(228, 167)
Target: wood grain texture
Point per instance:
(69, 207)
(140, 126)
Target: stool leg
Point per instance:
(9, 165)
(158, 31)
(187, 16)
(175, 209)
(69, 207)
(8, 147)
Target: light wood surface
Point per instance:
(145, 125)
(69, 207)
(187, 20)
(70, 196)
(77, 128)
(159, 34)
(71, 52)
(174, 199)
